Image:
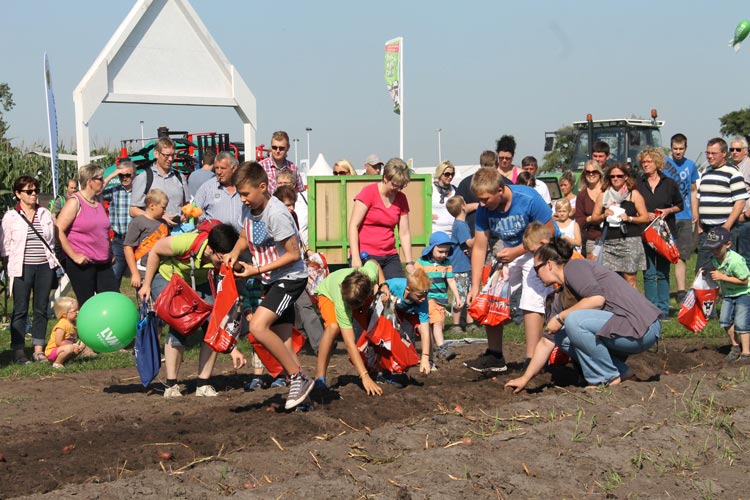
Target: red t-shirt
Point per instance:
(376, 236)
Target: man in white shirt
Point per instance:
(529, 164)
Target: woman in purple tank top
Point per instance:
(83, 230)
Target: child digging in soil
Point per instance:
(731, 272)
(63, 343)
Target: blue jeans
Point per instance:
(741, 240)
(656, 279)
(120, 265)
(601, 359)
(36, 278)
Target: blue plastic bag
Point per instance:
(147, 354)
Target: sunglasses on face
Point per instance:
(736, 150)
(338, 172)
(30, 191)
(538, 267)
(617, 176)
(100, 178)
(449, 174)
(592, 172)
(124, 176)
(278, 148)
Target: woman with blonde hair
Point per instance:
(378, 210)
(589, 189)
(443, 189)
(343, 167)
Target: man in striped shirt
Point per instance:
(119, 213)
(278, 161)
(721, 196)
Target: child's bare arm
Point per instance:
(371, 388)
(454, 290)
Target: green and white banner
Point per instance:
(393, 71)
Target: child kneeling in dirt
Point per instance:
(63, 344)
(339, 295)
(731, 272)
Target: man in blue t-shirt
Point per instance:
(685, 173)
(506, 211)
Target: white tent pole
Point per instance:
(401, 91)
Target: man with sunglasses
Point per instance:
(163, 177)
(721, 197)
(373, 165)
(741, 231)
(118, 197)
(278, 161)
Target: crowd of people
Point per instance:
(572, 262)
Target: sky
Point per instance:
(475, 69)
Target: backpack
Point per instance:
(150, 180)
(203, 229)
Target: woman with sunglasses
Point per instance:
(622, 208)
(593, 318)
(28, 240)
(343, 167)
(83, 229)
(589, 188)
(444, 174)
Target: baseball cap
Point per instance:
(717, 237)
(373, 160)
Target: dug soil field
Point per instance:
(681, 431)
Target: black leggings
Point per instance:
(90, 279)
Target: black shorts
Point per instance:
(279, 297)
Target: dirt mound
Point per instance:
(681, 432)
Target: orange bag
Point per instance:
(698, 304)
(272, 364)
(224, 326)
(659, 237)
(492, 306)
(558, 357)
(385, 344)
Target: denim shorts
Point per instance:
(736, 311)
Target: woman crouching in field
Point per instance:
(596, 317)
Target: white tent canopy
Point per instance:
(320, 167)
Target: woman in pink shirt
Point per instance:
(83, 230)
(378, 210)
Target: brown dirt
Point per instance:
(680, 432)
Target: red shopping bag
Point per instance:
(492, 306)
(272, 364)
(659, 237)
(385, 344)
(558, 357)
(698, 304)
(224, 325)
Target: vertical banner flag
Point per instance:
(392, 71)
(51, 124)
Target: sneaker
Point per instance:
(487, 363)
(444, 352)
(280, 382)
(21, 358)
(389, 378)
(206, 391)
(299, 388)
(742, 359)
(57, 366)
(433, 368)
(256, 383)
(171, 392)
(320, 384)
(734, 353)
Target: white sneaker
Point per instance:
(172, 392)
(299, 389)
(206, 391)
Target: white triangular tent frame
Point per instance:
(162, 53)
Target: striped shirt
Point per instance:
(438, 274)
(271, 170)
(718, 191)
(119, 208)
(35, 252)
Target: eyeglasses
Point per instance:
(338, 172)
(278, 148)
(617, 176)
(538, 267)
(30, 191)
(124, 176)
(711, 153)
(735, 150)
(167, 155)
(449, 174)
(593, 172)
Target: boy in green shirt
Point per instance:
(731, 272)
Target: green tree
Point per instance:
(736, 123)
(562, 151)
(6, 103)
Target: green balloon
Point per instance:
(107, 322)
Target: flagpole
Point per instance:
(401, 98)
